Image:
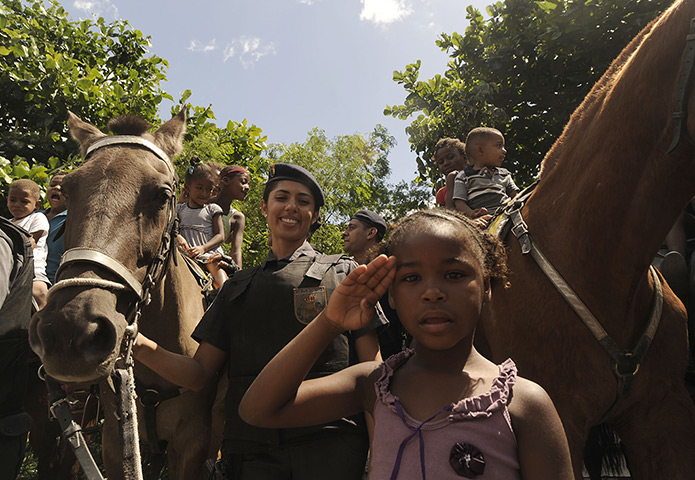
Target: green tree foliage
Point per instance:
(49, 65)
(351, 170)
(523, 70)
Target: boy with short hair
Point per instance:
(484, 186)
(23, 200)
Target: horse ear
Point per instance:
(84, 133)
(169, 137)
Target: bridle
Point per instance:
(121, 380)
(128, 282)
(625, 363)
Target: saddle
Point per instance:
(203, 278)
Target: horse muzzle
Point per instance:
(78, 341)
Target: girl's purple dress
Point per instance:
(475, 440)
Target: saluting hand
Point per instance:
(352, 303)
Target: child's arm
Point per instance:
(214, 242)
(182, 243)
(279, 398)
(450, 186)
(237, 236)
(36, 236)
(194, 373)
(462, 206)
(543, 449)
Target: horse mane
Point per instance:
(599, 92)
(128, 125)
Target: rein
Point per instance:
(625, 363)
(680, 113)
(122, 380)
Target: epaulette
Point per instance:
(322, 263)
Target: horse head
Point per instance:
(118, 233)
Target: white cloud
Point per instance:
(249, 50)
(195, 46)
(307, 2)
(97, 8)
(384, 11)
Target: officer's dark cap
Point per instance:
(285, 171)
(372, 219)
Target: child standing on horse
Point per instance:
(441, 410)
(201, 231)
(484, 186)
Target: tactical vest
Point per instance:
(15, 312)
(15, 315)
(269, 308)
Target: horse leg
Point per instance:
(218, 415)
(187, 435)
(659, 436)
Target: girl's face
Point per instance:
(238, 185)
(199, 192)
(21, 202)
(290, 211)
(449, 159)
(439, 289)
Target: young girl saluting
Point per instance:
(441, 410)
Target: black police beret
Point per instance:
(371, 218)
(285, 171)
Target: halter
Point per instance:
(155, 269)
(121, 379)
(625, 363)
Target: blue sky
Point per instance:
(291, 65)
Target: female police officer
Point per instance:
(255, 314)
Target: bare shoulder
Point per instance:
(237, 215)
(529, 398)
(542, 444)
(369, 373)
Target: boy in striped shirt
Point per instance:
(484, 186)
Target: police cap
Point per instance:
(285, 171)
(372, 219)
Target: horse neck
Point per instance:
(175, 309)
(609, 193)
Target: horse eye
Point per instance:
(163, 195)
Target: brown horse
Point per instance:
(119, 205)
(608, 194)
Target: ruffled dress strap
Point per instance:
(383, 393)
(496, 398)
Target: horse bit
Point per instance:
(123, 375)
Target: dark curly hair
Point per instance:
(198, 169)
(490, 251)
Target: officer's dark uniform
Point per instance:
(257, 312)
(17, 272)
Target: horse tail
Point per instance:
(603, 450)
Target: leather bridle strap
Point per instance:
(90, 255)
(680, 113)
(626, 363)
(59, 408)
(131, 140)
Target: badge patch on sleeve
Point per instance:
(309, 302)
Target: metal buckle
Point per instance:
(520, 229)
